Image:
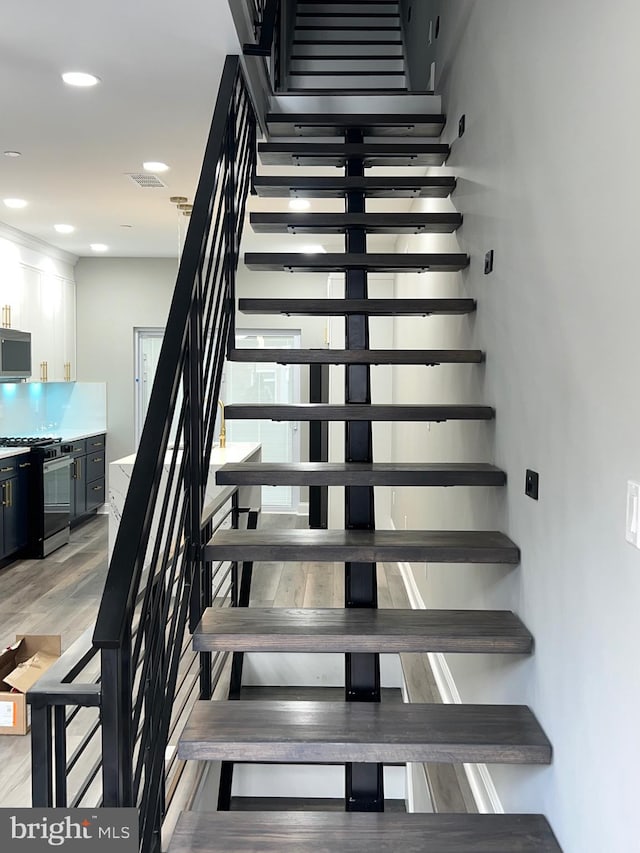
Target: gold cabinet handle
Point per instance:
(97, 488)
(67, 371)
(10, 485)
(10, 468)
(6, 316)
(97, 459)
(25, 465)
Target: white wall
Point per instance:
(547, 178)
(114, 296)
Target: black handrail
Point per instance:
(158, 583)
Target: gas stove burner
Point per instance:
(28, 441)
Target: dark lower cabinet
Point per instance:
(78, 487)
(14, 497)
(87, 476)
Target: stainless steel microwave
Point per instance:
(15, 355)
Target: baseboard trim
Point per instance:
(482, 786)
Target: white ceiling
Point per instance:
(159, 62)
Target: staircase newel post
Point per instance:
(116, 719)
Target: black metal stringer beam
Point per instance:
(364, 782)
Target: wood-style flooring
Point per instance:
(57, 595)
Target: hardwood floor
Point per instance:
(57, 595)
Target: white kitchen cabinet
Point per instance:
(44, 304)
(12, 295)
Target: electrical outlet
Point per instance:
(462, 126)
(488, 262)
(531, 486)
(633, 513)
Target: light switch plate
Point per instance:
(633, 513)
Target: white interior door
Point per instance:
(147, 346)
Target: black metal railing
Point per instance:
(158, 583)
(66, 732)
(268, 43)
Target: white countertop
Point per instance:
(5, 452)
(67, 435)
(236, 451)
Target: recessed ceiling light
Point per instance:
(155, 166)
(80, 78)
(99, 247)
(15, 202)
(299, 204)
(12, 154)
(64, 229)
(314, 249)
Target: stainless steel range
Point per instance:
(49, 492)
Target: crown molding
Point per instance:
(37, 245)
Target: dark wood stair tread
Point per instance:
(253, 693)
(249, 629)
(352, 72)
(371, 124)
(372, 356)
(320, 186)
(370, 307)
(302, 804)
(353, 832)
(342, 261)
(360, 474)
(338, 223)
(358, 412)
(349, 41)
(336, 154)
(364, 546)
(386, 27)
(369, 90)
(320, 732)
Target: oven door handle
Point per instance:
(56, 464)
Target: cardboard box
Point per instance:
(21, 665)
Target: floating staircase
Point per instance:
(365, 731)
(347, 46)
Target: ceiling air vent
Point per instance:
(145, 180)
